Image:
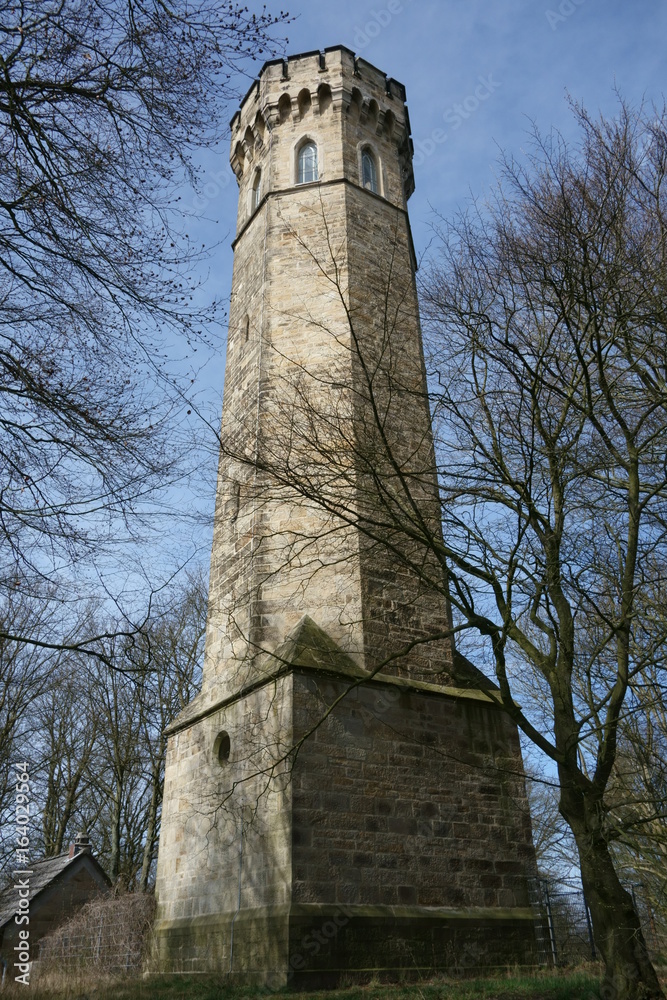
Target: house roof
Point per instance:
(42, 875)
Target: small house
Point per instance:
(43, 896)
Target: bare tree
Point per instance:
(25, 675)
(157, 673)
(101, 108)
(638, 792)
(94, 737)
(173, 676)
(68, 727)
(547, 335)
(555, 850)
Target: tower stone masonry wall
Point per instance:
(311, 307)
(371, 835)
(371, 781)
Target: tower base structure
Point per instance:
(311, 947)
(350, 827)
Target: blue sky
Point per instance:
(523, 55)
(477, 73)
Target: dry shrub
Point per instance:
(107, 939)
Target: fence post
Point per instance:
(591, 939)
(550, 923)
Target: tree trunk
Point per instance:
(629, 974)
(114, 855)
(151, 828)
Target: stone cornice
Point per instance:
(357, 675)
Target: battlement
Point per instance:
(331, 61)
(335, 98)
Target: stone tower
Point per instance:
(344, 795)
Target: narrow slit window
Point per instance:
(369, 171)
(236, 501)
(256, 189)
(307, 163)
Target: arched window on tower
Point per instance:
(369, 171)
(256, 190)
(307, 163)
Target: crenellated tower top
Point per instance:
(353, 115)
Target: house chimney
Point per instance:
(81, 844)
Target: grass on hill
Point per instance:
(573, 985)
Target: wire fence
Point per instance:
(107, 937)
(564, 929)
